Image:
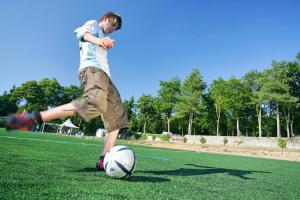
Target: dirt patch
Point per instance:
(292, 155)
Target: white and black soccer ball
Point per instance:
(119, 162)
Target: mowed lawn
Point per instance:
(46, 166)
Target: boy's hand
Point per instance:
(106, 42)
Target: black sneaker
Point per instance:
(99, 164)
(21, 121)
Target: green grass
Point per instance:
(45, 166)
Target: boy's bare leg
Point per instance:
(110, 141)
(65, 110)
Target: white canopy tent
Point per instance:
(68, 128)
(69, 124)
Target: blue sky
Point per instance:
(160, 39)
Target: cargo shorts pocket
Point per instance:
(82, 77)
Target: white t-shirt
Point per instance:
(91, 55)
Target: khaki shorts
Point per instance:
(100, 98)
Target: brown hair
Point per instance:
(114, 18)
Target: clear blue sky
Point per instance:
(160, 39)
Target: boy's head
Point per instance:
(110, 22)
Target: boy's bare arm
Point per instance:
(104, 42)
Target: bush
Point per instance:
(184, 139)
(137, 135)
(240, 142)
(282, 143)
(153, 137)
(130, 134)
(144, 136)
(165, 137)
(225, 141)
(202, 140)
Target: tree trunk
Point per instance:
(292, 123)
(190, 124)
(80, 122)
(218, 111)
(288, 125)
(292, 128)
(278, 121)
(259, 122)
(43, 127)
(181, 128)
(287, 130)
(287, 115)
(237, 127)
(145, 126)
(168, 121)
(218, 122)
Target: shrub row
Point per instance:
(281, 141)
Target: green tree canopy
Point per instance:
(30, 96)
(147, 109)
(236, 99)
(52, 91)
(7, 105)
(168, 96)
(217, 93)
(190, 100)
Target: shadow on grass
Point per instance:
(147, 179)
(204, 170)
(133, 178)
(87, 169)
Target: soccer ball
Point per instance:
(119, 162)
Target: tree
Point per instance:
(91, 127)
(190, 100)
(292, 105)
(129, 105)
(168, 94)
(147, 110)
(30, 95)
(236, 100)
(251, 80)
(209, 119)
(52, 92)
(275, 89)
(131, 113)
(7, 105)
(217, 92)
(70, 93)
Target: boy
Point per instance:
(100, 97)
